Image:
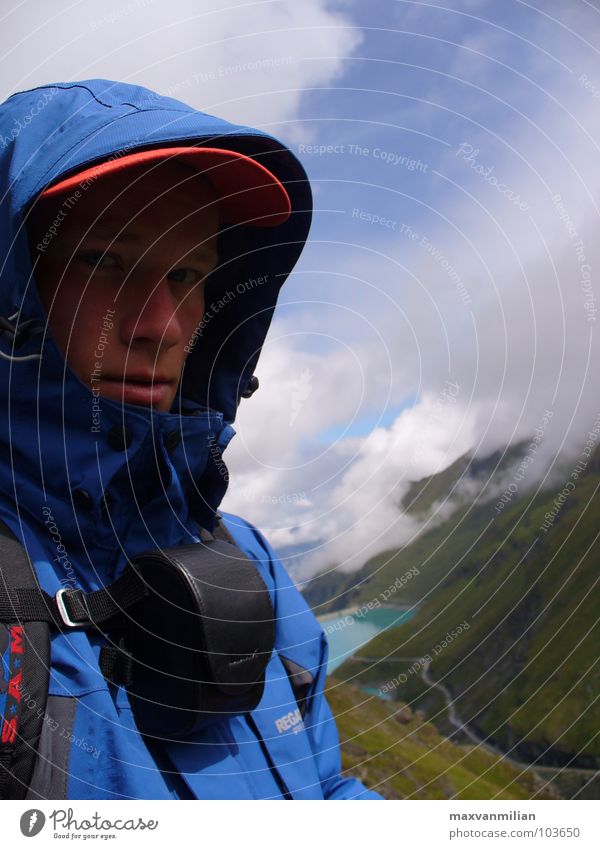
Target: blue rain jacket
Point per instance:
(82, 501)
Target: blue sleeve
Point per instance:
(300, 638)
(323, 734)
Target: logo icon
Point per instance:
(32, 822)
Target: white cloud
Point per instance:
(527, 341)
(350, 497)
(245, 61)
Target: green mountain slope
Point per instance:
(392, 750)
(525, 671)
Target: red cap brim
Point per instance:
(248, 192)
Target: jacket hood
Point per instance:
(52, 131)
(51, 450)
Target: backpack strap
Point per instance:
(26, 664)
(27, 617)
(70, 608)
(221, 532)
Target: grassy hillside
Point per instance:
(525, 673)
(394, 751)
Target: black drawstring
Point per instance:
(20, 334)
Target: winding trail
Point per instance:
(457, 722)
(453, 717)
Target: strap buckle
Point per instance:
(60, 599)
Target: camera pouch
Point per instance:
(199, 640)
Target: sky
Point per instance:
(447, 298)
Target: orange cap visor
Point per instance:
(248, 193)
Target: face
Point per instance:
(141, 248)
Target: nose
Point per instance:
(151, 315)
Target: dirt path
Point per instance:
(457, 722)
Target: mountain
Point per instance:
(464, 478)
(395, 751)
(524, 673)
(456, 485)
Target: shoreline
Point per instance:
(350, 611)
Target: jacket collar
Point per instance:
(105, 470)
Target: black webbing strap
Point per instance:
(27, 614)
(26, 662)
(116, 664)
(72, 608)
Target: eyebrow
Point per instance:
(127, 237)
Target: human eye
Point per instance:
(185, 276)
(97, 259)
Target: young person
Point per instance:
(143, 247)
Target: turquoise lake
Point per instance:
(347, 633)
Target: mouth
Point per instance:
(147, 391)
